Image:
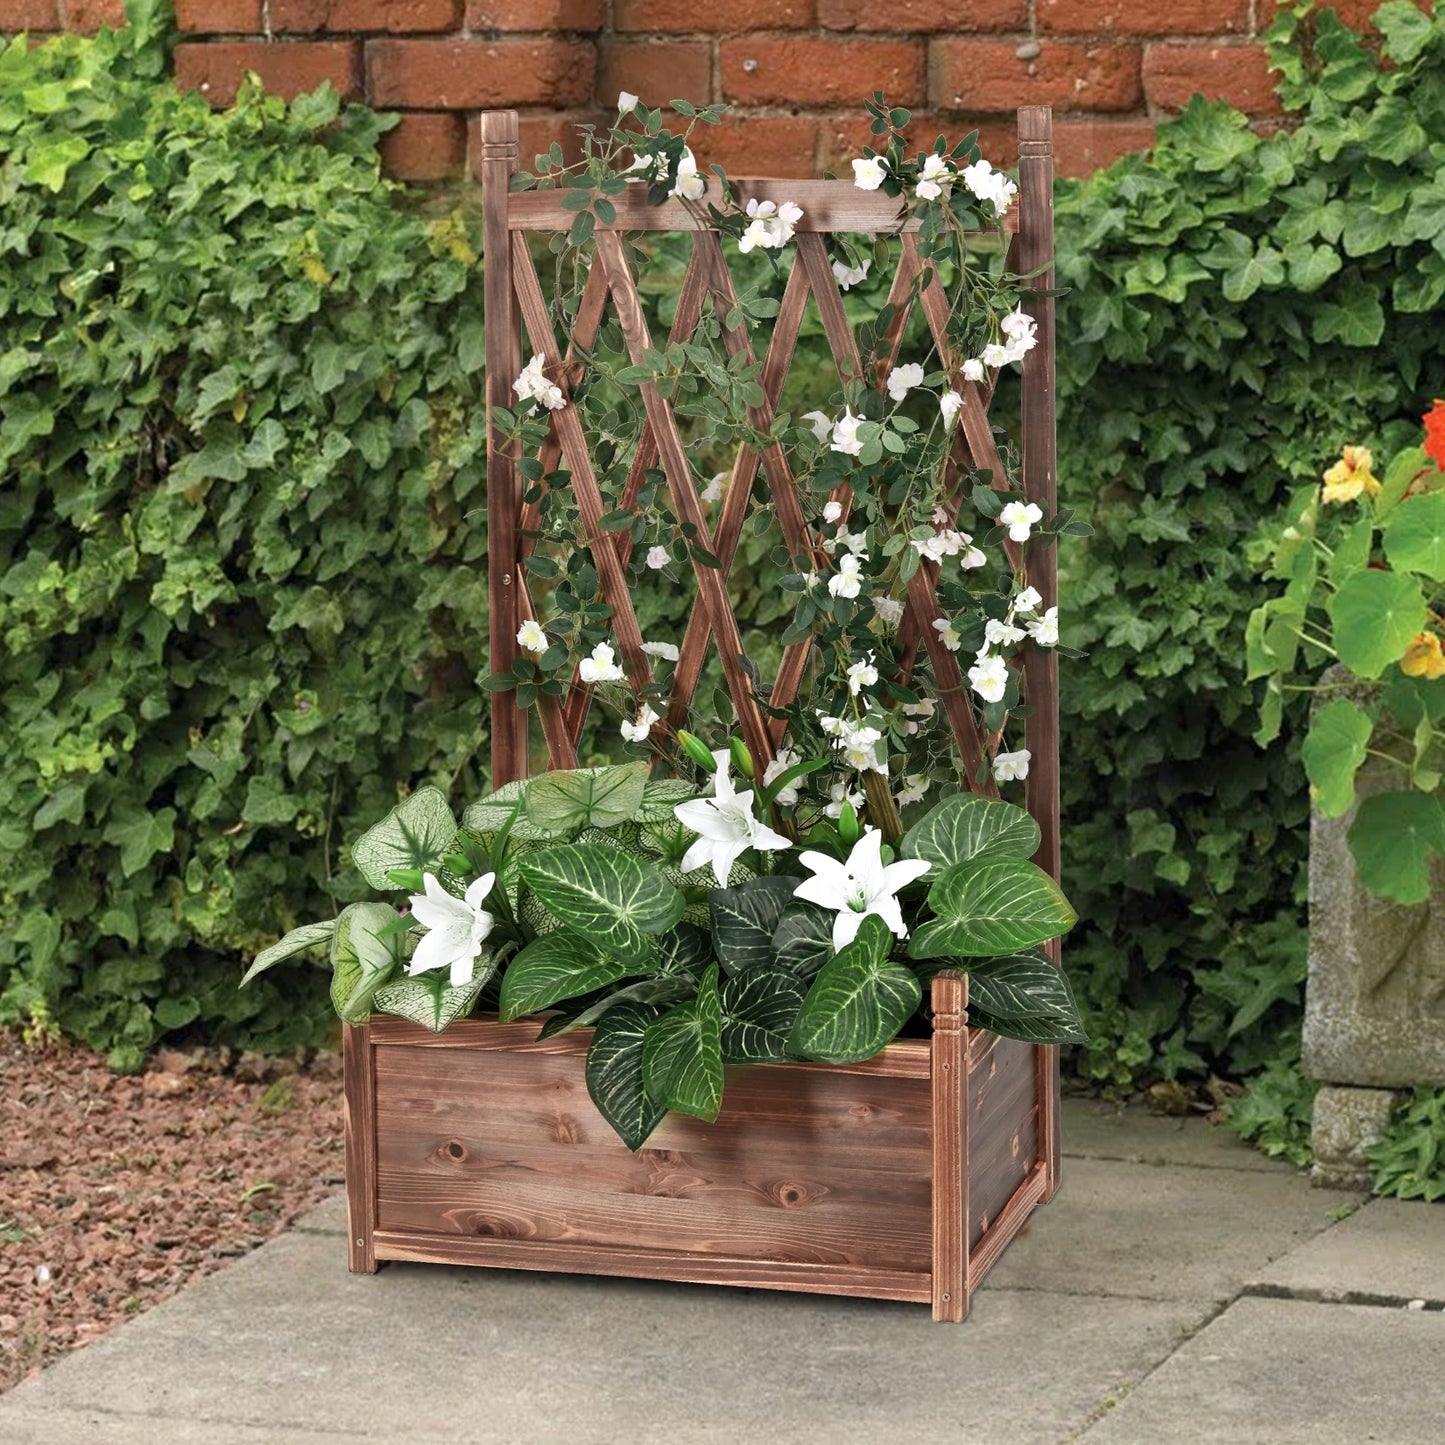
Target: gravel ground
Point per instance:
(116, 1192)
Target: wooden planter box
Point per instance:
(900, 1178)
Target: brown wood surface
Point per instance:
(950, 1125)
(1003, 1131)
(359, 1126)
(1015, 1214)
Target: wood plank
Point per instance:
(359, 1125)
(822, 1168)
(827, 206)
(644, 1263)
(950, 1147)
(1012, 1218)
(1003, 1134)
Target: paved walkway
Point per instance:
(1179, 1288)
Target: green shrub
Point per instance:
(1409, 1162)
(1239, 308)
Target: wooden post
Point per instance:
(1040, 466)
(359, 1078)
(504, 493)
(949, 1064)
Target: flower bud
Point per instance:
(697, 750)
(848, 828)
(742, 758)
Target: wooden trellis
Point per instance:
(515, 303)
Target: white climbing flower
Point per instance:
(832, 511)
(859, 747)
(845, 433)
(948, 633)
(1011, 767)
(989, 678)
(902, 380)
(601, 666)
(973, 369)
(532, 385)
(1019, 518)
(636, 732)
(847, 581)
(839, 794)
(848, 276)
(626, 101)
(771, 226)
(456, 928)
(1001, 634)
(833, 727)
(869, 173)
(1045, 630)
(995, 355)
(935, 179)
(689, 184)
(864, 674)
(786, 759)
(725, 826)
(890, 613)
(822, 424)
(1027, 600)
(918, 713)
(658, 558)
(860, 886)
(914, 790)
(531, 636)
(949, 404)
(713, 492)
(667, 651)
(989, 185)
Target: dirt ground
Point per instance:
(116, 1192)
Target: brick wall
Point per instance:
(796, 70)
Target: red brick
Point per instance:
(1239, 74)
(536, 133)
(398, 17)
(88, 16)
(821, 72)
(988, 75)
(287, 68)
(476, 74)
(1143, 17)
(716, 17)
(759, 145)
(219, 17)
(1084, 144)
(543, 15)
(28, 15)
(656, 70)
(914, 16)
(425, 146)
(846, 136)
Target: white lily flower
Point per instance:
(822, 424)
(839, 794)
(902, 380)
(725, 826)
(949, 404)
(973, 369)
(636, 732)
(1045, 630)
(948, 632)
(786, 759)
(848, 276)
(845, 434)
(531, 636)
(865, 674)
(1019, 517)
(456, 928)
(832, 511)
(862, 885)
(1011, 767)
(601, 666)
(869, 173)
(847, 581)
(989, 678)
(658, 558)
(1027, 600)
(890, 613)
(667, 651)
(626, 101)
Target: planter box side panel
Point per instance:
(499, 1141)
(1003, 1130)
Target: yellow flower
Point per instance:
(1350, 476)
(1424, 657)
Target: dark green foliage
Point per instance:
(1409, 1162)
(1275, 1110)
(1238, 309)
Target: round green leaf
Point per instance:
(992, 907)
(1338, 739)
(1375, 615)
(1393, 838)
(417, 833)
(1415, 536)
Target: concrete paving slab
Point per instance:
(1163, 1232)
(1388, 1252)
(99, 1427)
(327, 1218)
(285, 1340)
(1292, 1372)
(1096, 1129)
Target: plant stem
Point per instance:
(881, 808)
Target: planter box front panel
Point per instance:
(495, 1138)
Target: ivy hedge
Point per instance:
(241, 594)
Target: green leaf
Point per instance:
(614, 1073)
(1415, 535)
(564, 802)
(1375, 615)
(1050, 1030)
(580, 1013)
(682, 1054)
(1026, 985)
(759, 1008)
(1404, 30)
(1393, 837)
(744, 920)
(992, 906)
(417, 833)
(968, 826)
(858, 1001)
(309, 935)
(429, 1000)
(803, 939)
(140, 835)
(364, 955)
(50, 165)
(554, 967)
(609, 896)
(1333, 751)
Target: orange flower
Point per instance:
(1435, 433)
(1424, 657)
(1350, 476)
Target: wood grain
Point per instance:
(359, 1124)
(1003, 1132)
(950, 1147)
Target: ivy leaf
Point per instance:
(429, 1000)
(1375, 615)
(140, 834)
(1333, 751)
(417, 833)
(744, 920)
(759, 1008)
(992, 906)
(616, 900)
(1415, 536)
(858, 1001)
(365, 952)
(682, 1054)
(1393, 837)
(309, 935)
(614, 1073)
(969, 826)
(565, 802)
(50, 166)
(554, 967)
